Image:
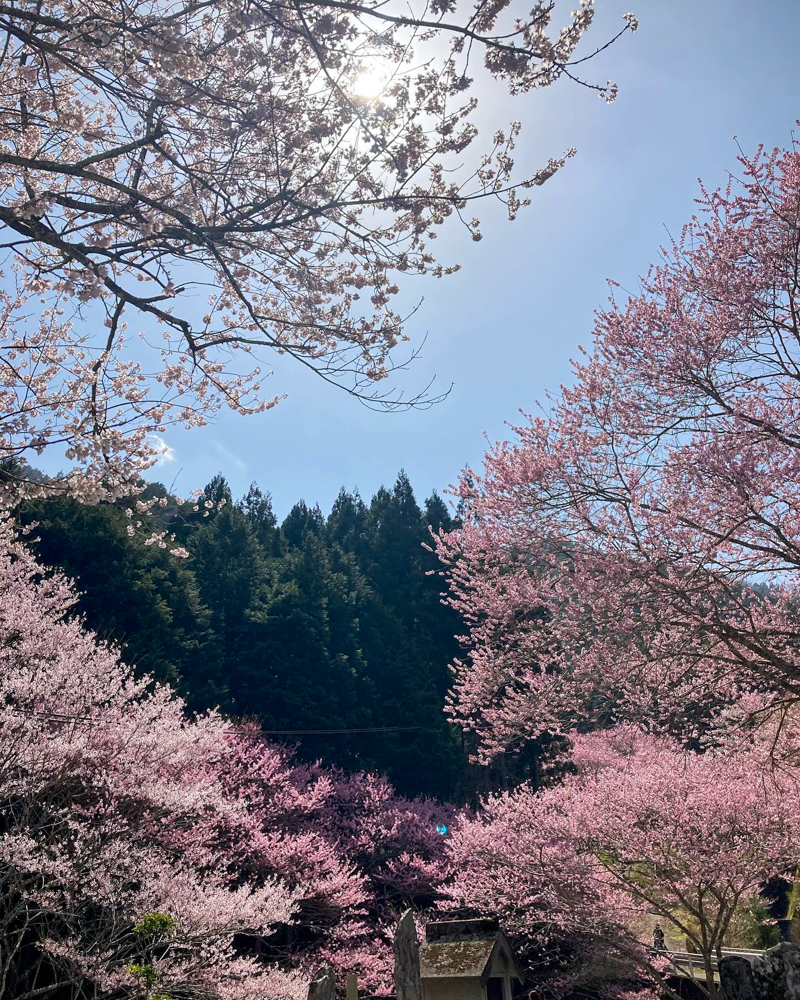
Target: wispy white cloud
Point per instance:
(229, 456)
(165, 453)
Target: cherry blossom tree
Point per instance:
(108, 879)
(634, 553)
(229, 179)
(645, 828)
(354, 852)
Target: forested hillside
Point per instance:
(317, 623)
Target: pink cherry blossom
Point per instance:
(644, 829)
(633, 553)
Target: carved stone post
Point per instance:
(736, 978)
(323, 985)
(407, 983)
(352, 986)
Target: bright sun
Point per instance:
(372, 79)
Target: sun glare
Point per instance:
(372, 79)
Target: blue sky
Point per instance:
(503, 330)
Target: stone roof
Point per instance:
(455, 958)
(463, 949)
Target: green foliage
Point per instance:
(314, 624)
(794, 895)
(152, 929)
(138, 596)
(145, 975)
(758, 929)
(156, 925)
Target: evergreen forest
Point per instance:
(330, 631)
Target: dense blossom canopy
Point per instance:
(644, 829)
(99, 776)
(354, 852)
(634, 553)
(228, 176)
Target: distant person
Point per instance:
(659, 944)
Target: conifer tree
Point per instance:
(301, 518)
(303, 664)
(139, 596)
(256, 506)
(346, 523)
(230, 568)
(316, 624)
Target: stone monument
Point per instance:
(407, 984)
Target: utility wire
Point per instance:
(89, 720)
(327, 732)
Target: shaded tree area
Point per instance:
(316, 623)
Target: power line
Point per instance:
(64, 717)
(328, 732)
